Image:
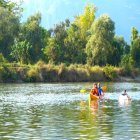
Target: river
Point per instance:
(61, 112)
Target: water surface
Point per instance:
(60, 111)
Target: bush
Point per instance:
(9, 75)
(110, 72)
(127, 62)
(2, 59)
(32, 74)
(40, 63)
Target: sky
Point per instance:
(125, 13)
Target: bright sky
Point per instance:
(125, 13)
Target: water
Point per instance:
(61, 112)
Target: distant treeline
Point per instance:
(87, 40)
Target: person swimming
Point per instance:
(125, 94)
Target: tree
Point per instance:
(55, 49)
(32, 32)
(135, 51)
(9, 29)
(134, 34)
(119, 47)
(86, 19)
(135, 46)
(2, 59)
(68, 40)
(127, 62)
(3, 3)
(100, 43)
(77, 35)
(20, 51)
(75, 46)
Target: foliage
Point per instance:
(135, 46)
(100, 43)
(9, 28)
(12, 7)
(55, 49)
(32, 32)
(110, 72)
(119, 47)
(135, 51)
(134, 34)
(8, 74)
(127, 62)
(2, 59)
(74, 46)
(86, 19)
(40, 63)
(20, 51)
(32, 74)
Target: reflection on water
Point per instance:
(124, 103)
(60, 111)
(94, 106)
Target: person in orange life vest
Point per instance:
(94, 90)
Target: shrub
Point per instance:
(127, 63)
(110, 72)
(40, 63)
(32, 74)
(2, 59)
(9, 75)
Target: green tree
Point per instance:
(135, 46)
(9, 29)
(20, 51)
(119, 47)
(7, 4)
(68, 41)
(135, 51)
(77, 35)
(2, 59)
(86, 19)
(3, 3)
(75, 46)
(127, 62)
(55, 49)
(32, 32)
(134, 34)
(99, 45)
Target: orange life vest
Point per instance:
(94, 91)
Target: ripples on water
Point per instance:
(60, 111)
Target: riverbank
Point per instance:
(42, 72)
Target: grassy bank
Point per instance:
(42, 72)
